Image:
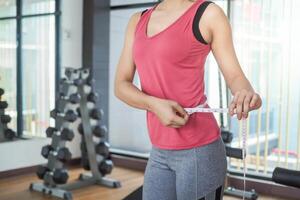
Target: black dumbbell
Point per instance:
(105, 167)
(50, 131)
(96, 113)
(60, 176)
(61, 103)
(41, 171)
(80, 128)
(3, 105)
(69, 116)
(9, 134)
(70, 73)
(102, 148)
(67, 134)
(66, 85)
(46, 150)
(92, 97)
(100, 130)
(73, 98)
(64, 154)
(1, 92)
(85, 73)
(5, 119)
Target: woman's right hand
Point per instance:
(169, 112)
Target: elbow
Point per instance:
(117, 90)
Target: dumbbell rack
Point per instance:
(6, 133)
(81, 79)
(95, 176)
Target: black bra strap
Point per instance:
(196, 21)
(143, 11)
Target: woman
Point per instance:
(168, 45)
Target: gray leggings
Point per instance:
(189, 174)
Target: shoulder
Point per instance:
(134, 19)
(214, 14)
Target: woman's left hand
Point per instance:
(243, 102)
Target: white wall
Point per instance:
(25, 153)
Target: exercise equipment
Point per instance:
(9, 134)
(6, 134)
(237, 153)
(5, 119)
(92, 97)
(286, 177)
(94, 113)
(98, 130)
(41, 171)
(65, 134)
(1, 92)
(3, 105)
(63, 101)
(60, 176)
(69, 116)
(76, 92)
(46, 150)
(102, 149)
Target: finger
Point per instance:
(231, 108)
(178, 120)
(233, 103)
(253, 101)
(179, 109)
(246, 104)
(186, 118)
(239, 106)
(174, 126)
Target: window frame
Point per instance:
(19, 65)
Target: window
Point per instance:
(270, 32)
(28, 71)
(8, 46)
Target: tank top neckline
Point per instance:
(169, 26)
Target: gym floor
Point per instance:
(16, 187)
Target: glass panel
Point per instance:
(8, 47)
(270, 31)
(7, 8)
(38, 73)
(31, 7)
(130, 134)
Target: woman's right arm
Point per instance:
(125, 90)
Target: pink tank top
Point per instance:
(170, 65)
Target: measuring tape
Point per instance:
(201, 108)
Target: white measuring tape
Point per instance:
(200, 108)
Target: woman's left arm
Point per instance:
(217, 31)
